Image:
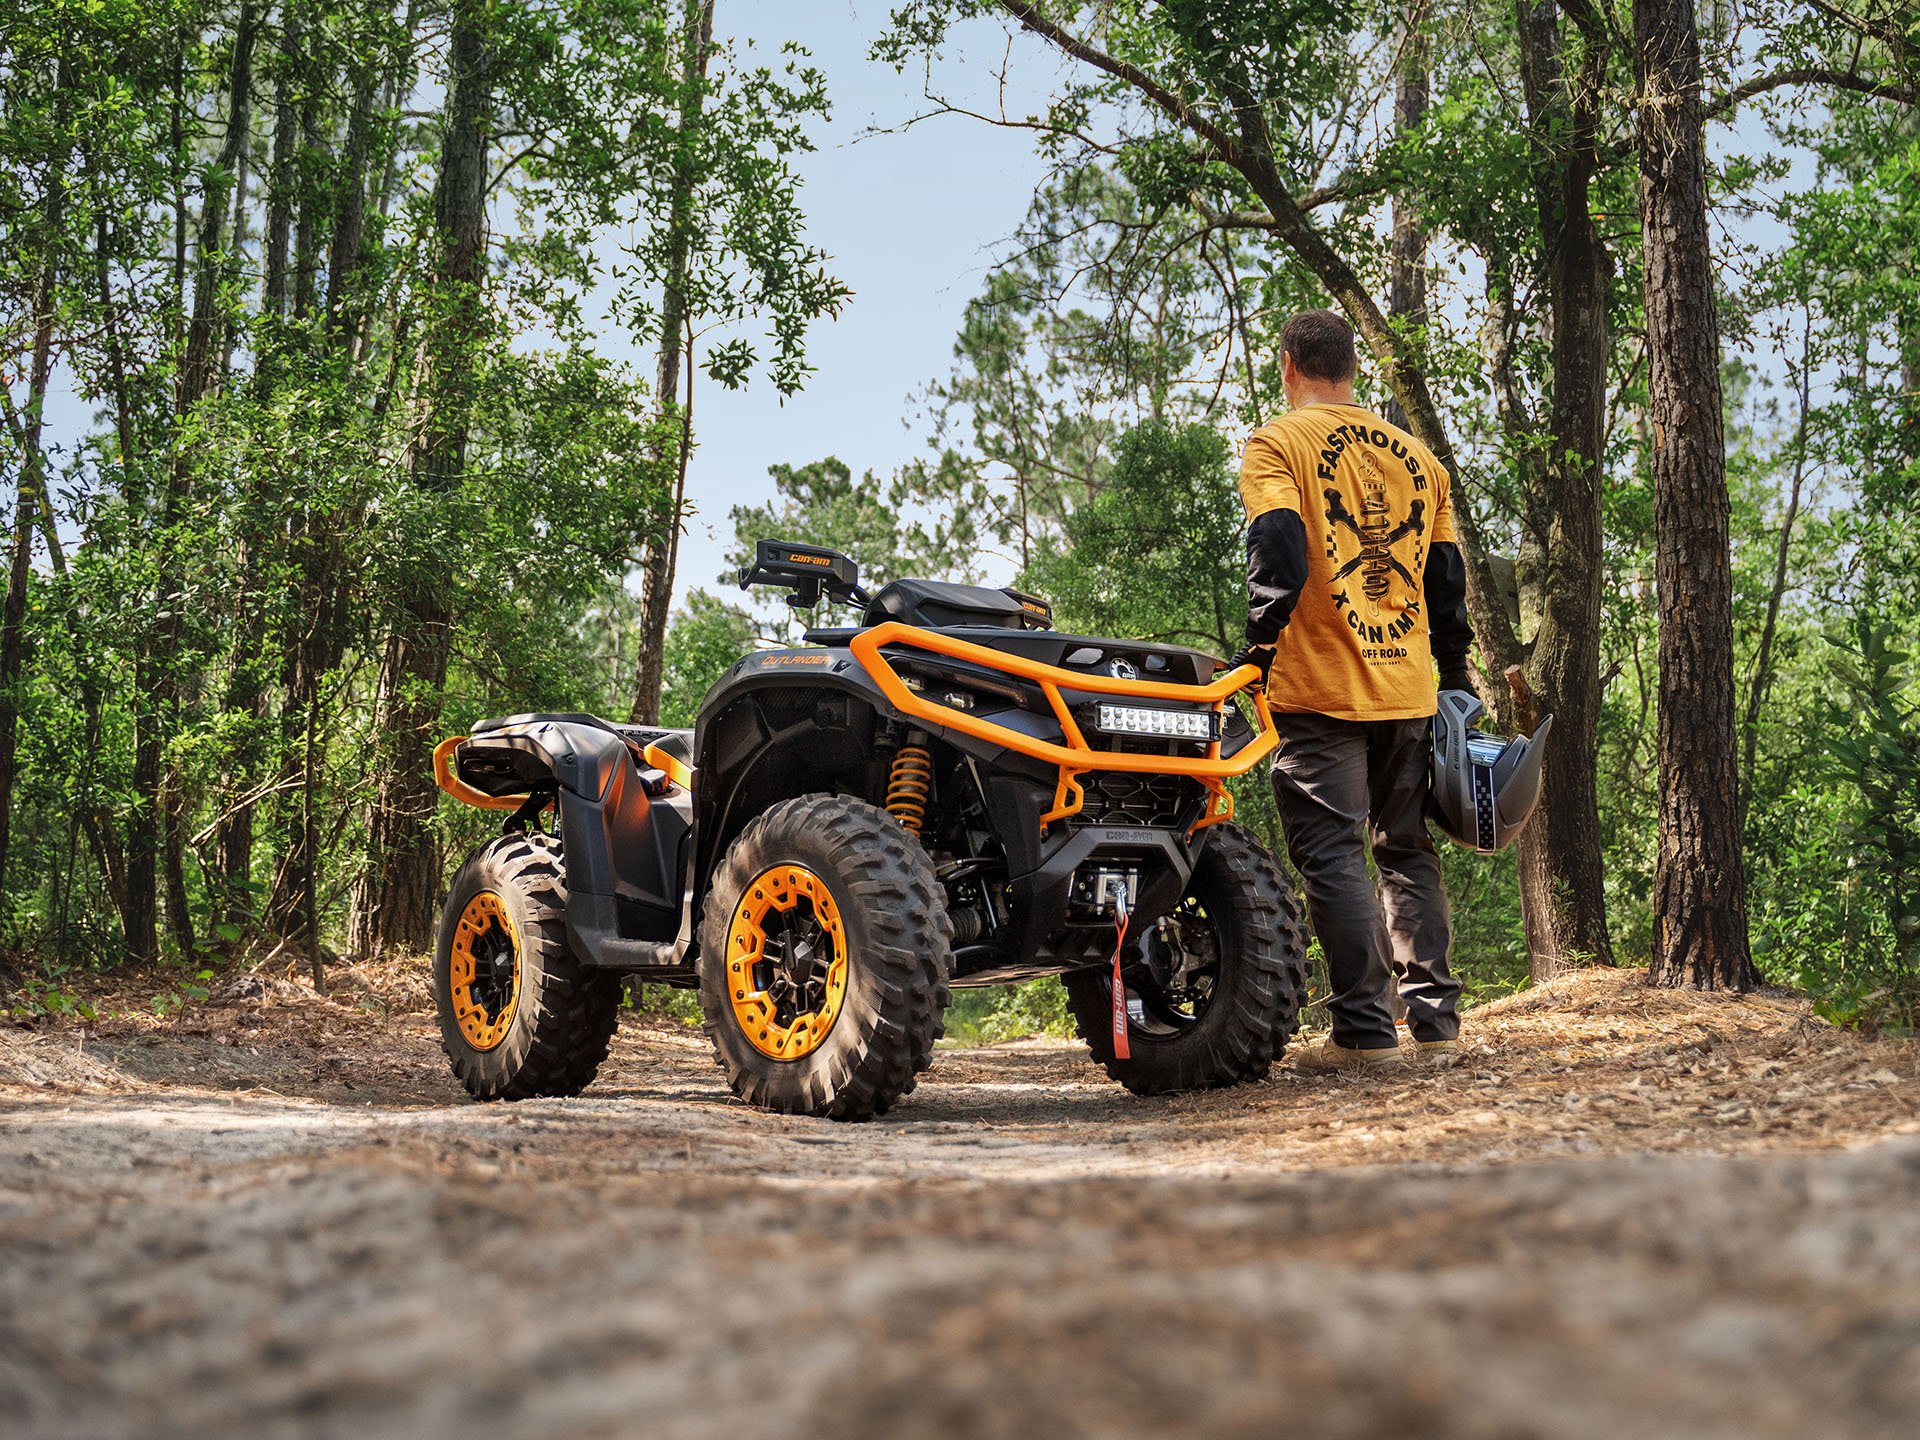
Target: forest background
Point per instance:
(341, 288)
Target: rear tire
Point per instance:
(519, 1015)
(824, 957)
(1238, 893)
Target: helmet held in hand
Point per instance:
(1483, 787)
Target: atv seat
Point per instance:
(937, 605)
(672, 746)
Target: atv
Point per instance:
(949, 793)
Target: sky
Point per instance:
(912, 219)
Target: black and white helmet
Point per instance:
(1483, 787)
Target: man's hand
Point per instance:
(1457, 676)
(1260, 656)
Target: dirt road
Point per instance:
(1625, 1215)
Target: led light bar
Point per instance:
(1167, 724)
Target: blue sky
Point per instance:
(912, 220)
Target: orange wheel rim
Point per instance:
(786, 962)
(484, 974)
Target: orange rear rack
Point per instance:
(447, 780)
(1076, 757)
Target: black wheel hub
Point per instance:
(493, 969)
(1181, 958)
(792, 970)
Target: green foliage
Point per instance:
(1874, 853)
(988, 1015)
(1159, 552)
(891, 527)
(662, 1002)
(404, 482)
(706, 637)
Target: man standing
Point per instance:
(1355, 591)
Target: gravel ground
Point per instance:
(1626, 1214)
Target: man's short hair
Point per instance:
(1321, 344)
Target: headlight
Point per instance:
(1167, 724)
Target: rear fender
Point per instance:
(624, 849)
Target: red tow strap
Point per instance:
(1120, 1050)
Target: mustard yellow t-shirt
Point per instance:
(1373, 500)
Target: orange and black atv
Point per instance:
(950, 793)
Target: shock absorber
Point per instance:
(910, 786)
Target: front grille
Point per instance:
(1115, 797)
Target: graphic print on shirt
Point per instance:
(1376, 556)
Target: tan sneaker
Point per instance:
(1326, 1057)
(1437, 1052)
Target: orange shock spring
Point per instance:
(910, 787)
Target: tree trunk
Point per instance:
(312, 654)
(656, 586)
(197, 372)
(281, 185)
(95, 821)
(144, 816)
(394, 899)
(1407, 284)
(307, 217)
(245, 692)
(1700, 911)
(13, 611)
(1562, 884)
(350, 200)
(197, 380)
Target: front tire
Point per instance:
(1218, 1000)
(519, 1015)
(824, 957)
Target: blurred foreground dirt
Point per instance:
(1627, 1213)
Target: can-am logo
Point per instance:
(1123, 670)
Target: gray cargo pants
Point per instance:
(1341, 785)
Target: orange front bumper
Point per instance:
(1075, 756)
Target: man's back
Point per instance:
(1374, 502)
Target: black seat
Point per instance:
(677, 743)
(939, 606)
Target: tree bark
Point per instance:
(349, 224)
(13, 610)
(197, 372)
(95, 821)
(1562, 883)
(280, 184)
(394, 899)
(1700, 912)
(168, 665)
(308, 216)
(1407, 267)
(656, 585)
